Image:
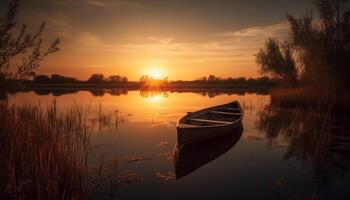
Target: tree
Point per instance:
(96, 78)
(24, 44)
(115, 79)
(124, 79)
(56, 78)
(277, 59)
(213, 78)
(324, 46)
(264, 80)
(204, 79)
(41, 79)
(144, 78)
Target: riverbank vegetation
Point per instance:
(308, 97)
(310, 113)
(42, 152)
(47, 153)
(315, 57)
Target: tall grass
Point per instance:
(44, 152)
(312, 98)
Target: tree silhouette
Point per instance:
(322, 47)
(41, 79)
(96, 78)
(124, 79)
(24, 44)
(277, 59)
(114, 79)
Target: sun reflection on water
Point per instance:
(155, 99)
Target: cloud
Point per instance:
(97, 3)
(275, 30)
(101, 3)
(112, 3)
(161, 40)
(227, 46)
(229, 49)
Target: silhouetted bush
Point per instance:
(322, 47)
(56, 78)
(41, 79)
(96, 78)
(117, 79)
(261, 81)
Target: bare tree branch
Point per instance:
(27, 45)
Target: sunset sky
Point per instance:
(181, 39)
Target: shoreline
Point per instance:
(123, 89)
(140, 86)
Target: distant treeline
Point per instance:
(117, 79)
(263, 81)
(165, 92)
(94, 79)
(55, 78)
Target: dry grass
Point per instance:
(316, 99)
(44, 152)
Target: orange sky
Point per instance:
(178, 39)
(228, 54)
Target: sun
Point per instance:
(156, 73)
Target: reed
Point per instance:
(312, 98)
(44, 152)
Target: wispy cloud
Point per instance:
(274, 30)
(230, 49)
(112, 3)
(227, 46)
(161, 40)
(103, 3)
(97, 3)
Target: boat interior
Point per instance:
(216, 116)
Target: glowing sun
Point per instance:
(156, 73)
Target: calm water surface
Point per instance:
(258, 166)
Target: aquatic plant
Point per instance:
(312, 98)
(44, 152)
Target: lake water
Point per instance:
(262, 162)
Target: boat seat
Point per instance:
(210, 121)
(226, 113)
(232, 109)
(186, 126)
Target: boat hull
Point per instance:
(187, 136)
(212, 128)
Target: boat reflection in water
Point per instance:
(190, 157)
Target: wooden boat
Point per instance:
(209, 123)
(190, 157)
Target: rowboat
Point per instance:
(209, 123)
(190, 157)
